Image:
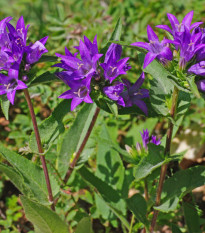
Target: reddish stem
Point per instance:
(40, 149)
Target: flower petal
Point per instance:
(165, 27)
(151, 34)
(11, 96)
(148, 59)
(143, 45)
(75, 102)
(187, 19)
(173, 20)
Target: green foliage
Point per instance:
(84, 226)
(5, 103)
(73, 137)
(44, 219)
(51, 127)
(32, 176)
(180, 184)
(191, 217)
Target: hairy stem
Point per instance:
(72, 165)
(146, 193)
(166, 152)
(40, 148)
(132, 223)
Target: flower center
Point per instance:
(82, 92)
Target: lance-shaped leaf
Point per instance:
(43, 219)
(180, 184)
(73, 137)
(152, 161)
(5, 103)
(44, 78)
(32, 175)
(51, 127)
(84, 226)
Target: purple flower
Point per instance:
(84, 67)
(10, 84)
(36, 50)
(113, 92)
(112, 66)
(190, 45)
(179, 28)
(145, 140)
(201, 85)
(155, 48)
(134, 95)
(198, 69)
(155, 141)
(79, 92)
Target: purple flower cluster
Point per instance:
(82, 74)
(146, 140)
(189, 42)
(16, 57)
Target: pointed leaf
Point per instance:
(84, 226)
(44, 219)
(5, 104)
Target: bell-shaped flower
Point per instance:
(113, 92)
(201, 85)
(134, 95)
(179, 28)
(79, 92)
(155, 48)
(198, 69)
(10, 84)
(81, 68)
(146, 139)
(112, 66)
(36, 50)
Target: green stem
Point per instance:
(132, 223)
(166, 152)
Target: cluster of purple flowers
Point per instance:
(82, 75)
(16, 57)
(189, 42)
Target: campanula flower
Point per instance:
(79, 92)
(179, 28)
(133, 95)
(201, 85)
(113, 92)
(113, 66)
(10, 84)
(198, 69)
(155, 48)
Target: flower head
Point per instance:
(155, 48)
(113, 92)
(134, 95)
(79, 92)
(10, 84)
(113, 66)
(198, 69)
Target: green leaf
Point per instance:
(51, 127)
(175, 229)
(193, 86)
(109, 194)
(162, 85)
(15, 178)
(180, 184)
(32, 175)
(44, 78)
(46, 58)
(84, 226)
(109, 164)
(152, 161)
(74, 136)
(184, 101)
(138, 206)
(5, 104)
(192, 219)
(44, 219)
(113, 108)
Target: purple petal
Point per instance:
(165, 27)
(84, 52)
(142, 106)
(2, 90)
(21, 85)
(151, 34)
(20, 23)
(11, 96)
(138, 83)
(75, 102)
(201, 85)
(148, 59)
(66, 95)
(43, 40)
(187, 19)
(173, 20)
(13, 73)
(3, 23)
(167, 53)
(194, 25)
(87, 99)
(143, 45)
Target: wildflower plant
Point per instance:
(98, 79)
